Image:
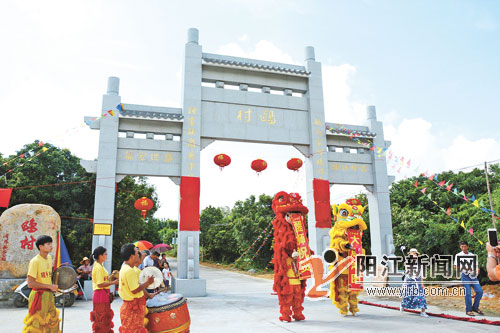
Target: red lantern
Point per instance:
(222, 160)
(259, 165)
(143, 204)
(294, 164)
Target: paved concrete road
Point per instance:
(241, 303)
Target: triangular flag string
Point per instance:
(472, 200)
(42, 150)
(448, 212)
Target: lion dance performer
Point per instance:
(345, 239)
(43, 315)
(290, 246)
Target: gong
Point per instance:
(64, 277)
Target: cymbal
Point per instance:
(151, 271)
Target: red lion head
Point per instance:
(287, 203)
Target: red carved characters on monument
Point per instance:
(29, 226)
(27, 243)
(5, 247)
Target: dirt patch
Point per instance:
(490, 303)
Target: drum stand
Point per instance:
(64, 292)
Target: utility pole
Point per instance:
(489, 195)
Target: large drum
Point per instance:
(168, 313)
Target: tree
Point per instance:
(71, 194)
(420, 223)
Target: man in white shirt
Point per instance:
(150, 260)
(469, 278)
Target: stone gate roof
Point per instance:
(221, 60)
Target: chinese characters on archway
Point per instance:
(319, 151)
(131, 155)
(191, 141)
(264, 116)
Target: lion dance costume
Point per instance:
(290, 245)
(345, 239)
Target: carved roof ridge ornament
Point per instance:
(366, 134)
(151, 115)
(267, 66)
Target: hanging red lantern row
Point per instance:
(259, 165)
(143, 204)
(222, 160)
(294, 164)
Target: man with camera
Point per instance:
(469, 270)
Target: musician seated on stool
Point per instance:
(85, 270)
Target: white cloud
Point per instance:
(339, 106)
(464, 152)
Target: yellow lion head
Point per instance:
(349, 215)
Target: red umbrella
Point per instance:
(162, 247)
(143, 245)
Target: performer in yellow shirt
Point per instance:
(133, 309)
(43, 315)
(101, 316)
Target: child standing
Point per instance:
(166, 274)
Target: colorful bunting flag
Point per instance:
(423, 190)
(462, 224)
(471, 231)
(448, 211)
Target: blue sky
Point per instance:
(430, 67)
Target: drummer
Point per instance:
(42, 315)
(147, 292)
(133, 309)
(101, 316)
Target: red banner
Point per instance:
(354, 237)
(322, 209)
(5, 194)
(190, 204)
(297, 221)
